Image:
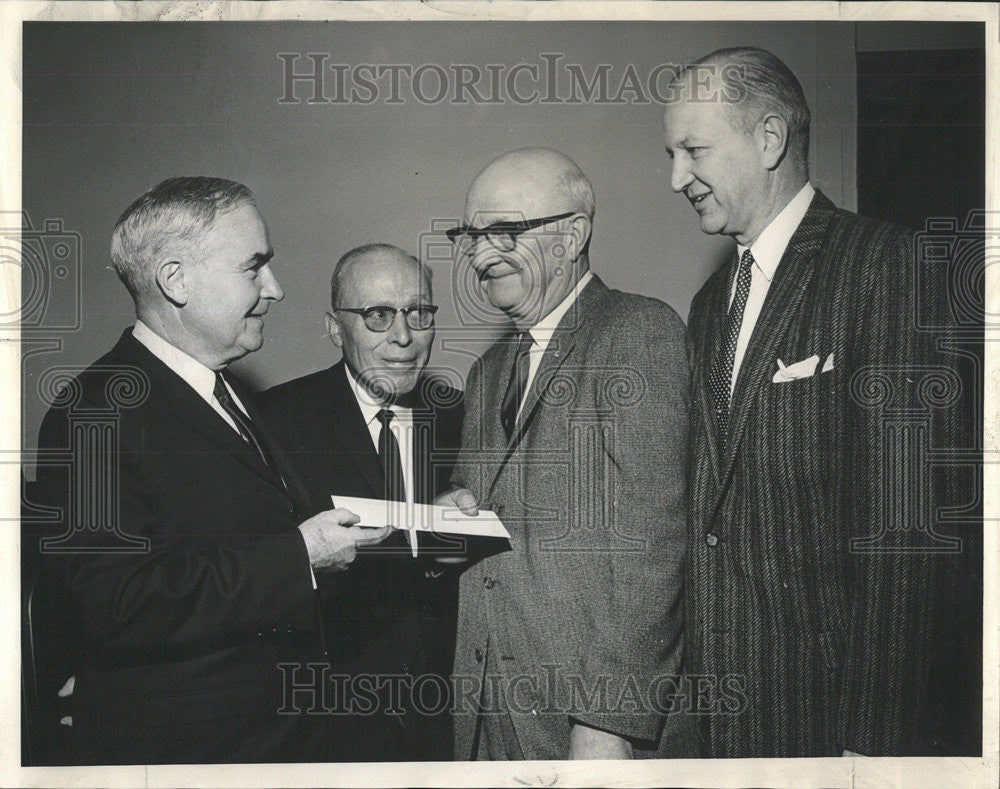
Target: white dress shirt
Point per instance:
(767, 251)
(541, 333)
(195, 374)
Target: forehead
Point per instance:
(383, 277)
(514, 194)
(687, 119)
(240, 232)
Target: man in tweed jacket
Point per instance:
(570, 638)
(820, 583)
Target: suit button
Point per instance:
(488, 582)
(712, 540)
(479, 655)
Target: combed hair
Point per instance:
(173, 214)
(755, 81)
(364, 249)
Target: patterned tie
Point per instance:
(721, 375)
(243, 423)
(388, 453)
(515, 386)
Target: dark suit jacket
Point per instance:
(383, 615)
(179, 639)
(592, 490)
(822, 632)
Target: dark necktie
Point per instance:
(243, 423)
(388, 453)
(721, 375)
(516, 385)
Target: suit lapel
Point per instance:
(559, 349)
(191, 409)
(351, 432)
(718, 307)
(784, 297)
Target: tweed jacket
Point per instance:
(591, 486)
(819, 582)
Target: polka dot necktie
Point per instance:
(721, 375)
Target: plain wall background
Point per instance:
(111, 109)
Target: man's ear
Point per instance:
(170, 280)
(333, 330)
(774, 131)
(579, 234)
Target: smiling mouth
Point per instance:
(698, 199)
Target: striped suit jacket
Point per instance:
(820, 591)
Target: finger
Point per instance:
(466, 502)
(345, 517)
(67, 688)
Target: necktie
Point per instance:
(388, 453)
(516, 385)
(243, 423)
(721, 375)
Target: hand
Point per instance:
(460, 498)
(332, 542)
(588, 743)
(65, 692)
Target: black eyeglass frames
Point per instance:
(503, 235)
(380, 318)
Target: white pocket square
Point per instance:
(828, 364)
(794, 372)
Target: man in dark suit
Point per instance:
(185, 559)
(820, 589)
(575, 434)
(395, 615)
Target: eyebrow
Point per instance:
(261, 258)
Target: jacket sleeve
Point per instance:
(637, 642)
(913, 576)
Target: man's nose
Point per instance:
(399, 330)
(270, 289)
(680, 174)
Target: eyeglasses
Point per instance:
(419, 318)
(503, 235)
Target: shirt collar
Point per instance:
(198, 376)
(368, 404)
(542, 331)
(770, 245)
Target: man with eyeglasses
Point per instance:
(575, 434)
(374, 425)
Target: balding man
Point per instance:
(820, 581)
(374, 425)
(185, 557)
(575, 434)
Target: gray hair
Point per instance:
(755, 81)
(358, 252)
(174, 213)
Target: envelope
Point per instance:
(422, 517)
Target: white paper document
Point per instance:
(422, 517)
